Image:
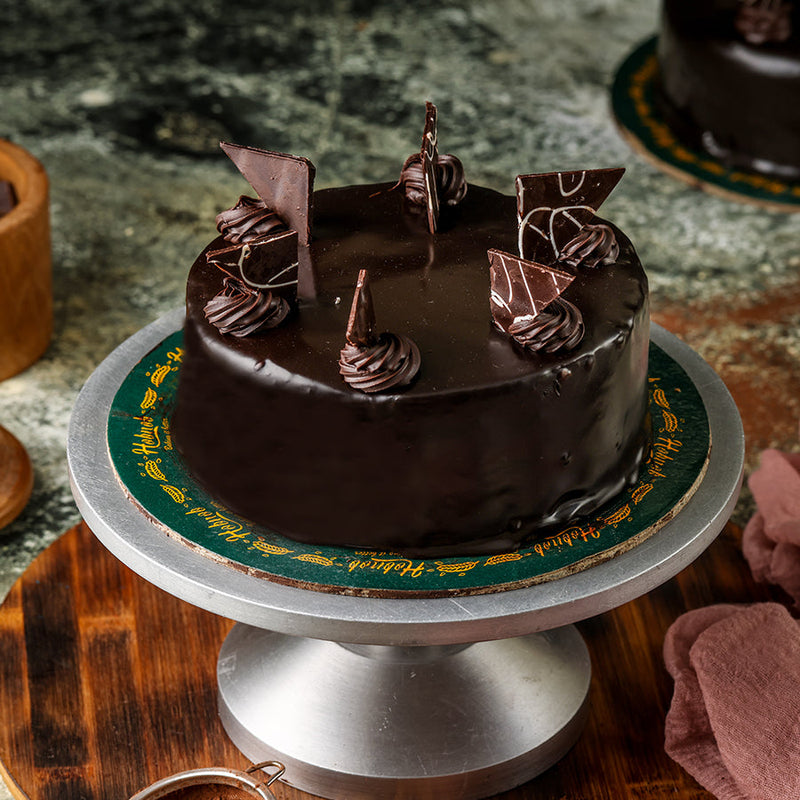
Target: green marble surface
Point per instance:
(124, 104)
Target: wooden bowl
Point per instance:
(26, 300)
(16, 477)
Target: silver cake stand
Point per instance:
(365, 697)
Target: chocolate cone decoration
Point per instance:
(284, 182)
(361, 323)
(521, 288)
(268, 264)
(554, 206)
(429, 154)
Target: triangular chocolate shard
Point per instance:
(429, 154)
(554, 206)
(284, 182)
(361, 323)
(268, 264)
(521, 288)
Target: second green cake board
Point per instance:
(634, 105)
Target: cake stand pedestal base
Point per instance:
(365, 722)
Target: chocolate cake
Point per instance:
(730, 80)
(439, 369)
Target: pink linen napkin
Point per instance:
(771, 539)
(734, 722)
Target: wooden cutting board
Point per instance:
(108, 684)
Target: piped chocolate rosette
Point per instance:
(556, 237)
(249, 219)
(592, 246)
(431, 180)
(555, 212)
(373, 363)
(763, 21)
(559, 326)
(260, 286)
(526, 303)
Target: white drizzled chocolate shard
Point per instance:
(429, 155)
(361, 322)
(552, 208)
(521, 288)
(268, 264)
(285, 183)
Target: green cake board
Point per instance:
(156, 479)
(635, 109)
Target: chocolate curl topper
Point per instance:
(554, 206)
(269, 264)
(429, 154)
(361, 323)
(521, 288)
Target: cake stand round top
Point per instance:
(138, 541)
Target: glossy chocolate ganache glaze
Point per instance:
(482, 443)
(730, 80)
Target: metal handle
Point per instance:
(166, 787)
(262, 766)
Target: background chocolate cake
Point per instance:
(730, 80)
